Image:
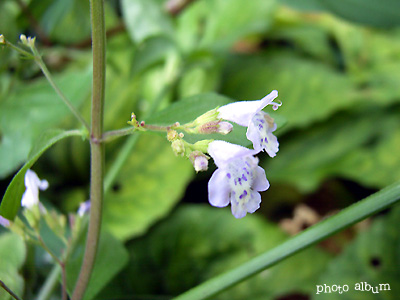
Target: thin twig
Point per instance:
(7, 289)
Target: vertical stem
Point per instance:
(97, 147)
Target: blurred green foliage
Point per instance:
(373, 258)
(11, 262)
(337, 70)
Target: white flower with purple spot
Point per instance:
(237, 180)
(259, 124)
(32, 184)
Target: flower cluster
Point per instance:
(238, 178)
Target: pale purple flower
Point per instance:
(84, 208)
(259, 124)
(4, 222)
(32, 184)
(237, 180)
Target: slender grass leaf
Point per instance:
(347, 217)
(373, 258)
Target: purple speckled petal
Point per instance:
(254, 202)
(238, 209)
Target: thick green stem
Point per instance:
(97, 147)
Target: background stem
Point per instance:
(3, 285)
(96, 146)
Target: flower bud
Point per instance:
(27, 41)
(199, 161)
(224, 127)
(178, 147)
(210, 116)
(172, 135)
(22, 37)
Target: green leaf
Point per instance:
(151, 52)
(204, 241)
(13, 195)
(144, 19)
(32, 109)
(305, 5)
(151, 182)
(374, 165)
(308, 89)
(348, 145)
(385, 13)
(229, 21)
(347, 217)
(372, 258)
(13, 254)
(110, 259)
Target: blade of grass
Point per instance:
(347, 217)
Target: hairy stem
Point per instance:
(96, 146)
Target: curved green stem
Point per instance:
(347, 217)
(96, 147)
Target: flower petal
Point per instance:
(43, 184)
(222, 152)
(254, 202)
(238, 208)
(218, 189)
(260, 182)
(240, 112)
(32, 184)
(253, 134)
(268, 99)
